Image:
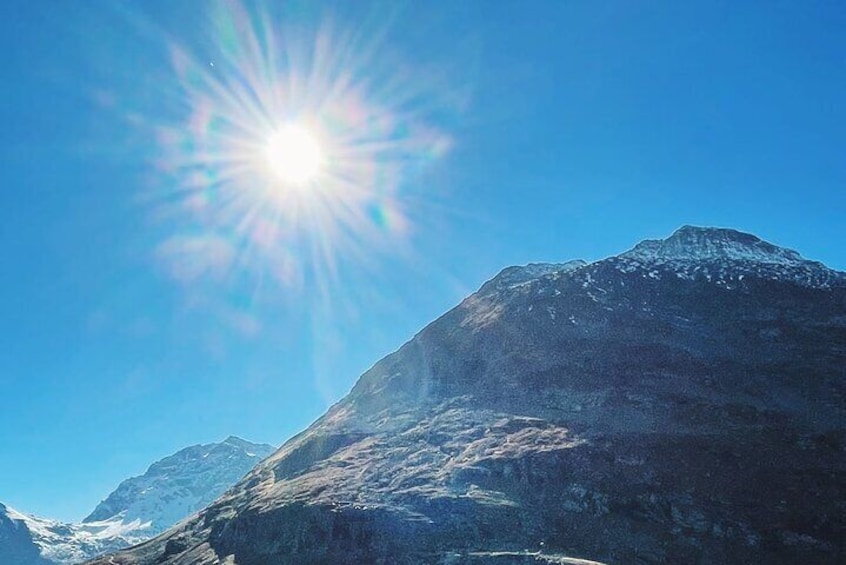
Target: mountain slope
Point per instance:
(170, 490)
(682, 402)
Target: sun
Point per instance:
(295, 158)
(294, 155)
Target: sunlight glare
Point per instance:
(295, 158)
(293, 154)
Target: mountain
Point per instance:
(683, 402)
(141, 507)
(179, 485)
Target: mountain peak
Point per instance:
(693, 243)
(243, 444)
(180, 483)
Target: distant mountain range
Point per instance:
(683, 402)
(141, 507)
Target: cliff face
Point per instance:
(683, 402)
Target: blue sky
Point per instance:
(518, 131)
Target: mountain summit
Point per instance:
(690, 243)
(727, 256)
(684, 402)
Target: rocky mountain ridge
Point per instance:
(682, 402)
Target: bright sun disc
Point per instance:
(293, 154)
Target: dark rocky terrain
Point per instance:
(684, 402)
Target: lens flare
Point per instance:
(294, 150)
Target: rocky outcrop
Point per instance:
(684, 402)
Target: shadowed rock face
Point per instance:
(684, 402)
(16, 543)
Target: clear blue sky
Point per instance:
(130, 327)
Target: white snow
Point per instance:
(72, 543)
(172, 489)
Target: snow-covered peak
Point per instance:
(690, 243)
(181, 484)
